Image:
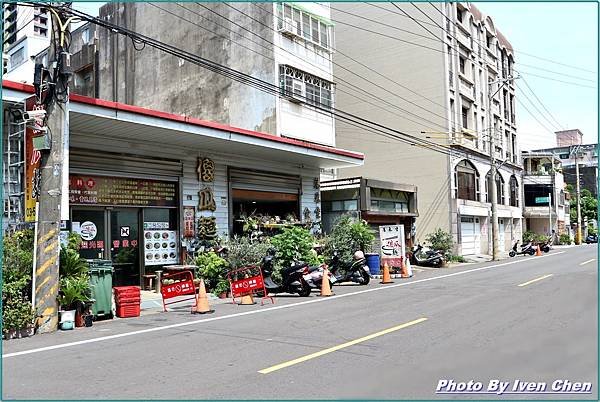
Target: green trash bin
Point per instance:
(101, 272)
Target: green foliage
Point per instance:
(294, 244)
(528, 236)
(242, 252)
(564, 239)
(221, 287)
(16, 314)
(540, 238)
(440, 240)
(592, 230)
(456, 258)
(17, 259)
(74, 290)
(211, 267)
(347, 237)
(71, 264)
(589, 206)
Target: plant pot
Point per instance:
(68, 315)
(88, 320)
(79, 319)
(67, 325)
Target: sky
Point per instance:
(565, 32)
(562, 32)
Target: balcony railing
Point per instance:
(451, 78)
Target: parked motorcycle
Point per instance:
(426, 257)
(292, 277)
(525, 249)
(351, 271)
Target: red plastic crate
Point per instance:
(128, 310)
(127, 291)
(127, 300)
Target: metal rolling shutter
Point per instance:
(106, 163)
(262, 181)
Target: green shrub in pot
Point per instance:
(211, 267)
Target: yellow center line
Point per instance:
(588, 261)
(338, 347)
(535, 280)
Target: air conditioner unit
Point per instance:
(288, 28)
(294, 93)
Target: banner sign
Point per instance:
(103, 190)
(33, 157)
(181, 284)
(393, 248)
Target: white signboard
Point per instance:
(160, 247)
(393, 248)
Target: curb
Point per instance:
(393, 276)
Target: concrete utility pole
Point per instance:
(52, 180)
(493, 169)
(578, 195)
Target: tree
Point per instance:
(589, 206)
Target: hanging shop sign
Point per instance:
(393, 248)
(189, 218)
(33, 157)
(206, 200)
(160, 247)
(206, 170)
(104, 190)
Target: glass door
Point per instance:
(124, 246)
(91, 225)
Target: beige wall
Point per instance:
(421, 73)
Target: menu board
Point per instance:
(160, 247)
(104, 190)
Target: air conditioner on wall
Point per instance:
(288, 28)
(295, 92)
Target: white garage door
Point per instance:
(470, 235)
(501, 244)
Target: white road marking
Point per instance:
(316, 300)
(588, 261)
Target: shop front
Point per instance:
(124, 216)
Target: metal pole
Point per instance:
(492, 186)
(550, 214)
(578, 195)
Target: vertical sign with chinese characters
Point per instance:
(32, 164)
(393, 248)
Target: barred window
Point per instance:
(303, 24)
(304, 86)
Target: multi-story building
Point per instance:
(26, 33)
(569, 148)
(445, 76)
(545, 201)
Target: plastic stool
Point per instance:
(149, 281)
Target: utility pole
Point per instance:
(493, 169)
(52, 188)
(578, 195)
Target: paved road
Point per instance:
(378, 342)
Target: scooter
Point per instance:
(292, 277)
(525, 249)
(424, 257)
(355, 271)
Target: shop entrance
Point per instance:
(262, 203)
(113, 234)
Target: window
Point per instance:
(489, 41)
(461, 64)
(500, 199)
(338, 206)
(304, 25)
(85, 35)
(306, 87)
(387, 200)
(17, 57)
(536, 195)
(465, 117)
(460, 14)
(561, 198)
(514, 192)
(467, 181)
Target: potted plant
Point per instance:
(222, 288)
(17, 319)
(211, 268)
(74, 293)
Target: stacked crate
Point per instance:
(127, 299)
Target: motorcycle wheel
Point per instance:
(511, 253)
(366, 278)
(545, 249)
(305, 291)
(531, 252)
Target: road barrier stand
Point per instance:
(202, 306)
(246, 281)
(325, 288)
(386, 274)
(177, 285)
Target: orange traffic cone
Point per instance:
(386, 274)
(409, 268)
(202, 306)
(403, 270)
(247, 299)
(538, 250)
(325, 287)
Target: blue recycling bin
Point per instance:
(373, 263)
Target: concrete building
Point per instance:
(546, 203)
(569, 143)
(285, 45)
(434, 73)
(143, 183)
(26, 33)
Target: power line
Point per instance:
(541, 103)
(532, 115)
(552, 125)
(554, 79)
